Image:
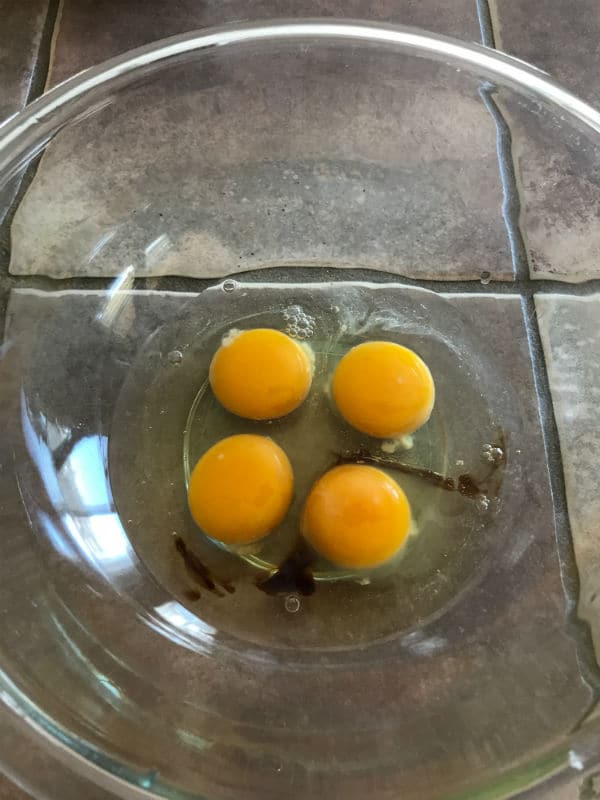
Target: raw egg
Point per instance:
(383, 389)
(241, 489)
(356, 516)
(261, 373)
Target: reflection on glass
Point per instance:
(179, 617)
(73, 471)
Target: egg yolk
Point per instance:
(356, 516)
(260, 374)
(241, 489)
(383, 389)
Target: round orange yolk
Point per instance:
(383, 389)
(260, 374)
(356, 516)
(241, 489)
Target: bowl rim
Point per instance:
(25, 135)
(28, 131)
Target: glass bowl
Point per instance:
(339, 180)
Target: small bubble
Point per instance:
(175, 357)
(485, 277)
(493, 453)
(229, 286)
(292, 603)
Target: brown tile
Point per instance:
(558, 168)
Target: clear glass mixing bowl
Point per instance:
(282, 151)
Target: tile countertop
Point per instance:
(45, 41)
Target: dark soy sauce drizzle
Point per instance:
(200, 573)
(295, 572)
(466, 484)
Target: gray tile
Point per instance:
(562, 40)
(90, 32)
(570, 332)
(22, 25)
(508, 660)
(558, 169)
(20, 35)
(436, 212)
(258, 164)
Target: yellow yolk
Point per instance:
(356, 516)
(241, 489)
(383, 389)
(260, 374)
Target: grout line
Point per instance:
(520, 286)
(486, 27)
(511, 203)
(579, 628)
(42, 66)
(58, 8)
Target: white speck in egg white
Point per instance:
(391, 446)
(230, 336)
(401, 442)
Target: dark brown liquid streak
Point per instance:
(295, 573)
(200, 572)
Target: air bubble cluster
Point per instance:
(493, 453)
(299, 324)
(482, 503)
